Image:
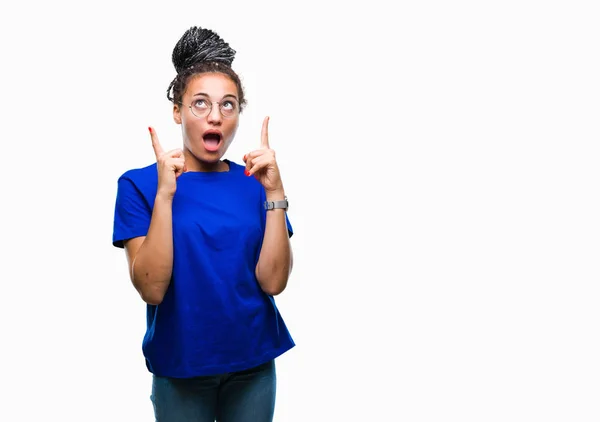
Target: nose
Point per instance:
(214, 115)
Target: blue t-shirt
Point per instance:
(214, 317)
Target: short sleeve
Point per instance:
(289, 225)
(132, 213)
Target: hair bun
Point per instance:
(198, 45)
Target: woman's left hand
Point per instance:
(261, 163)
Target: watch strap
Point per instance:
(281, 204)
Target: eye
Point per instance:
(201, 103)
(228, 105)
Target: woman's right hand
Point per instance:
(170, 166)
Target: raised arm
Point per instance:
(150, 257)
(275, 260)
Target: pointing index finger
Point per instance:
(158, 150)
(265, 133)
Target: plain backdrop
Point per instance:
(441, 162)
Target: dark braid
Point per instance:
(201, 51)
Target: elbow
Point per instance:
(273, 281)
(150, 294)
(274, 291)
(274, 287)
(152, 299)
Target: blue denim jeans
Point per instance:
(244, 396)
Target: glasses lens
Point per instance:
(200, 107)
(229, 108)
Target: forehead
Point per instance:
(216, 85)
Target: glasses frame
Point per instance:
(237, 112)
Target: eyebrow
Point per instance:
(204, 94)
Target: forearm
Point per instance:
(153, 264)
(275, 260)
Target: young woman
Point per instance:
(208, 246)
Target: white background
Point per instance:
(441, 160)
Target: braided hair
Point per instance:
(201, 50)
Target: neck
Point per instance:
(194, 164)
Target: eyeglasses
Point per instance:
(202, 107)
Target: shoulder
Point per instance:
(141, 176)
(139, 182)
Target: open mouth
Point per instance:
(212, 140)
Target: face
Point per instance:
(207, 137)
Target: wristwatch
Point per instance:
(271, 205)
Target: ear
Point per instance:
(177, 114)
